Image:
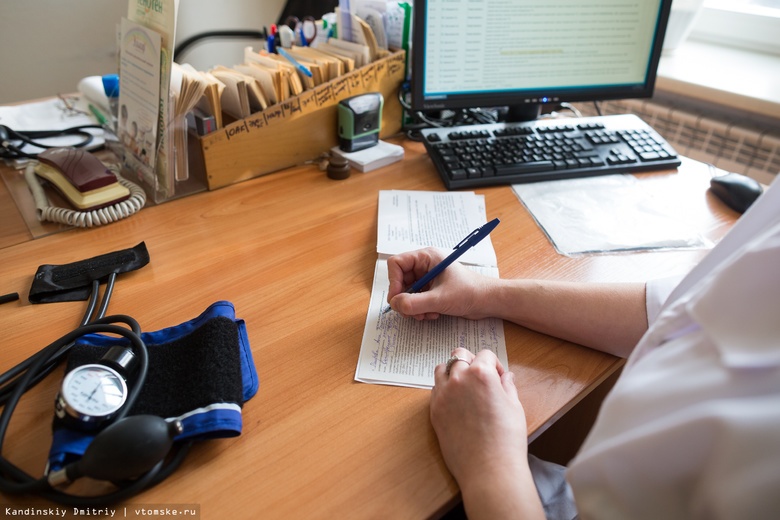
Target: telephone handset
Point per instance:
(99, 195)
(81, 178)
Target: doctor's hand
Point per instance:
(457, 291)
(481, 427)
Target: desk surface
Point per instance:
(295, 252)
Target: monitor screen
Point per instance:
(489, 53)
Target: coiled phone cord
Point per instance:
(84, 219)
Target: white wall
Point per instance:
(197, 16)
(47, 46)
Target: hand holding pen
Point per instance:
(420, 268)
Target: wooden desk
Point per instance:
(295, 252)
(13, 230)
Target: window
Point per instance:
(751, 24)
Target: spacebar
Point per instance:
(520, 168)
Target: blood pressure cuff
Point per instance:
(200, 372)
(73, 282)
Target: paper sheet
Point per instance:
(52, 114)
(410, 220)
(403, 352)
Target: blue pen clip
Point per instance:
(465, 240)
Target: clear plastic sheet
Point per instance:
(616, 213)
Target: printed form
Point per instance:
(404, 352)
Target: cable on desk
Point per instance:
(447, 118)
(465, 116)
(6, 387)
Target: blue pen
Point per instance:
(292, 60)
(474, 238)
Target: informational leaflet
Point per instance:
(403, 351)
(159, 16)
(139, 92)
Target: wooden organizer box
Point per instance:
(301, 128)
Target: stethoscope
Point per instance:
(12, 142)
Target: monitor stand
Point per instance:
(524, 112)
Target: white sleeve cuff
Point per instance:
(656, 293)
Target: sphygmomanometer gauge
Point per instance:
(92, 394)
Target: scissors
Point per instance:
(306, 28)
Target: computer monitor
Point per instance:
(526, 53)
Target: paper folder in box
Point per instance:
(372, 158)
(301, 127)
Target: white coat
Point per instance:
(692, 427)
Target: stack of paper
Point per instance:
(188, 87)
(369, 159)
(404, 352)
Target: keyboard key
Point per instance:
(521, 168)
(459, 173)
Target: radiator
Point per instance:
(727, 145)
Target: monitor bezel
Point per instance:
(529, 97)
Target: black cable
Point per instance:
(598, 108)
(422, 120)
(27, 483)
(6, 386)
(192, 40)
(24, 483)
(13, 479)
(93, 296)
(107, 295)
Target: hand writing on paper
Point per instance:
(456, 292)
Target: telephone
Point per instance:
(80, 177)
(99, 195)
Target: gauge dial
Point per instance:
(92, 393)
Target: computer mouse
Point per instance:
(737, 191)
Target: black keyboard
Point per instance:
(546, 149)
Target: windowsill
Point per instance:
(735, 78)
